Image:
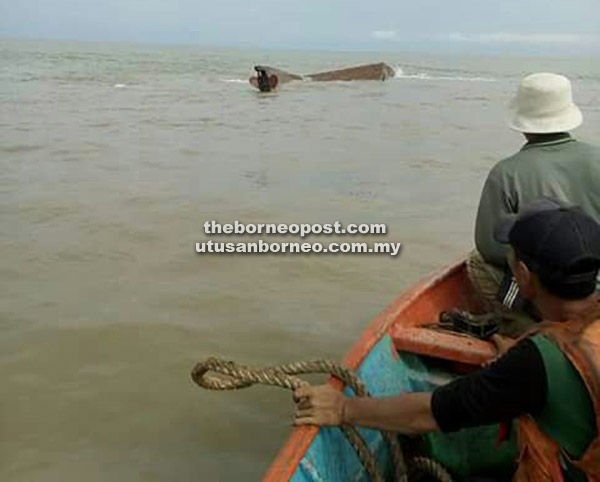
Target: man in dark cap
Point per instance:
(555, 257)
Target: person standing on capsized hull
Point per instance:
(551, 164)
(265, 80)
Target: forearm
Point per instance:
(409, 414)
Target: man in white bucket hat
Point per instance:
(544, 105)
(551, 164)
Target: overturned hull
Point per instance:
(269, 78)
(380, 71)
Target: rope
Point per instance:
(285, 376)
(430, 467)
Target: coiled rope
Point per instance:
(240, 376)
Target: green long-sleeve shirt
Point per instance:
(562, 168)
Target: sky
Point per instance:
(470, 25)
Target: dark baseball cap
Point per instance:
(558, 242)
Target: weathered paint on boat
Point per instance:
(385, 373)
(379, 71)
(387, 358)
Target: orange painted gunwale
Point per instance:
(416, 306)
(447, 346)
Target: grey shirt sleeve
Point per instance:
(493, 206)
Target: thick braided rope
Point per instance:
(284, 376)
(350, 380)
(430, 467)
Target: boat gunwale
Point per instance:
(294, 449)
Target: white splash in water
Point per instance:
(399, 74)
(120, 86)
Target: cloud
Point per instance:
(384, 34)
(523, 38)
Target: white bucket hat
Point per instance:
(543, 105)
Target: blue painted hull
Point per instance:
(386, 373)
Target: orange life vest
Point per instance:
(539, 459)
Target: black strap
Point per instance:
(569, 471)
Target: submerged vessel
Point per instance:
(269, 78)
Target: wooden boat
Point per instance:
(272, 77)
(379, 71)
(396, 354)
